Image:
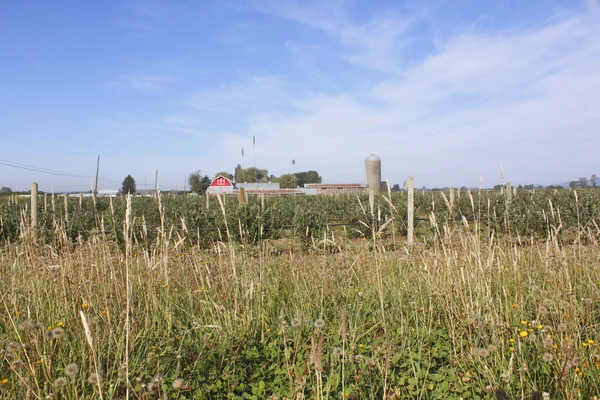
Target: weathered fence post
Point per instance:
(241, 195)
(452, 195)
(411, 210)
(34, 207)
(45, 202)
(66, 208)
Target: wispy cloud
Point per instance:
(143, 81)
(373, 44)
(250, 94)
(524, 98)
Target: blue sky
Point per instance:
(447, 91)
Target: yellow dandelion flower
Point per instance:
(523, 322)
(512, 349)
(523, 334)
(585, 344)
(60, 323)
(511, 340)
(540, 327)
(85, 306)
(555, 346)
(4, 381)
(514, 305)
(590, 341)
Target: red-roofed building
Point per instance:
(220, 185)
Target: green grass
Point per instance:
(459, 315)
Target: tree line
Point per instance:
(199, 183)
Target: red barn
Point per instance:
(220, 185)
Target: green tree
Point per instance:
(307, 177)
(194, 181)
(251, 175)
(128, 185)
(5, 189)
(594, 180)
(396, 188)
(204, 184)
(287, 181)
(582, 182)
(224, 174)
(198, 183)
(236, 172)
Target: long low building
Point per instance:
(335, 188)
(224, 185)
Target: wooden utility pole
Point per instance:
(411, 210)
(97, 171)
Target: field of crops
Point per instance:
(302, 297)
(528, 214)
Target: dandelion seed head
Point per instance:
(338, 352)
(561, 327)
(60, 382)
(547, 357)
(319, 324)
(57, 332)
(27, 326)
(93, 379)
(72, 370)
(481, 352)
(296, 323)
(153, 386)
(12, 347)
(178, 384)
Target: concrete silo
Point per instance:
(373, 173)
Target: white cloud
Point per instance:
(374, 44)
(253, 93)
(144, 81)
(522, 98)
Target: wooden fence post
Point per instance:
(411, 210)
(34, 206)
(242, 196)
(66, 208)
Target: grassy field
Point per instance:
(466, 311)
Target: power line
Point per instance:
(13, 164)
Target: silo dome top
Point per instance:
(373, 157)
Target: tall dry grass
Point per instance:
(459, 315)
